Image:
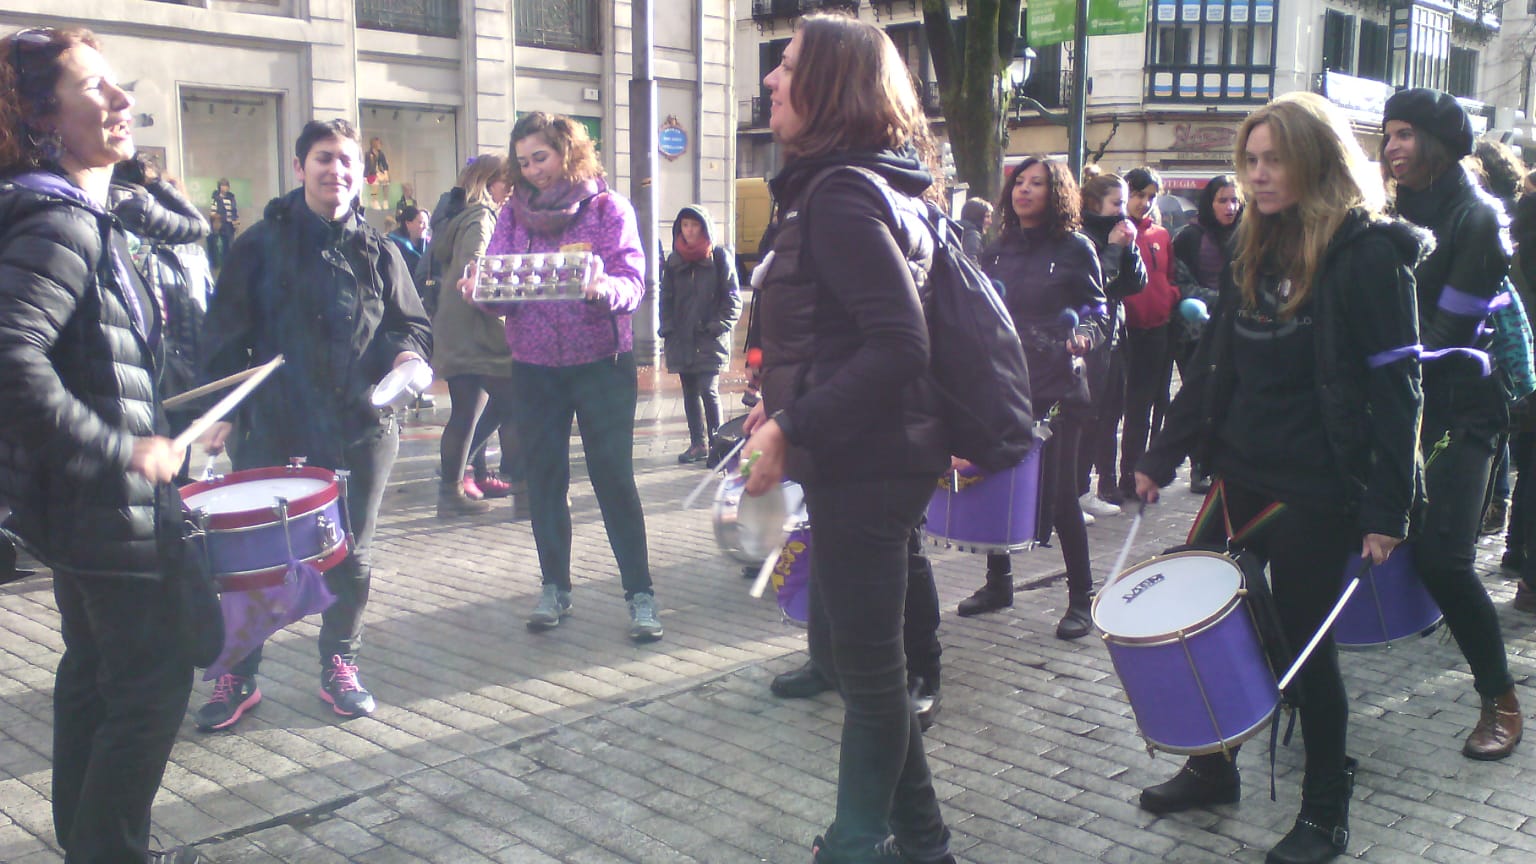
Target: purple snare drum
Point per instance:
(1390, 604)
(988, 513)
(1187, 652)
(792, 575)
(260, 520)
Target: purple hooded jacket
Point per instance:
(573, 332)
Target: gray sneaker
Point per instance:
(644, 626)
(554, 604)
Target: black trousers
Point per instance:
(701, 404)
(481, 406)
(861, 533)
(341, 626)
(1462, 425)
(601, 396)
(119, 697)
(1098, 446)
(1306, 551)
(1147, 362)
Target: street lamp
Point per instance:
(1019, 69)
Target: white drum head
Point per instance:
(254, 494)
(1167, 594)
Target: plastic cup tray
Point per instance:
(534, 276)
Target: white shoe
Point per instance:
(1087, 518)
(1097, 506)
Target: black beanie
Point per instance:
(1434, 113)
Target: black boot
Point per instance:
(1077, 622)
(802, 683)
(1203, 781)
(996, 594)
(1321, 831)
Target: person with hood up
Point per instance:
(1425, 135)
(700, 302)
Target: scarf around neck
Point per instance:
(693, 253)
(549, 213)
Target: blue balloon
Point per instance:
(1193, 309)
(1068, 317)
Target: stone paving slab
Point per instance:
(494, 744)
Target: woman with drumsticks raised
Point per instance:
(1304, 401)
(845, 410)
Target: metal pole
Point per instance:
(642, 169)
(1077, 114)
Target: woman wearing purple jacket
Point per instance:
(575, 358)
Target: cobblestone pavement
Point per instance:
(492, 743)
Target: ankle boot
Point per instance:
(451, 501)
(1203, 781)
(1077, 621)
(996, 594)
(1321, 832)
(1498, 730)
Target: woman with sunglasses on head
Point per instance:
(83, 458)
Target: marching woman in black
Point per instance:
(1054, 290)
(1425, 134)
(1304, 401)
(845, 409)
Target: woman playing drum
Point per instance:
(1304, 401)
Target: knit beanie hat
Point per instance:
(1434, 113)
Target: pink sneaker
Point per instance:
(492, 486)
(472, 489)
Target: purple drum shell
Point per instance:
(792, 576)
(999, 513)
(313, 535)
(1390, 604)
(1164, 676)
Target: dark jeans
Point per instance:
(701, 404)
(118, 700)
(1306, 551)
(601, 396)
(341, 626)
(1456, 479)
(1060, 488)
(480, 405)
(920, 623)
(1097, 449)
(860, 544)
(1146, 363)
(1522, 507)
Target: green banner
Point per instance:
(1116, 17)
(1051, 22)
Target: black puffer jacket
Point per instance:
(337, 301)
(1363, 305)
(77, 384)
(700, 302)
(844, 338)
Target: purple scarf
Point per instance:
(549, 213)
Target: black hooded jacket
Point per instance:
(844, 337)
(336, 299)
(700, 302)
(77, 383)
(1363, 304)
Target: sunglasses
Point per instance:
(33, 37)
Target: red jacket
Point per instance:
(1153, 306)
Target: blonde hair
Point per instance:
(1328, 174)
(479, 174)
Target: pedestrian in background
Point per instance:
(700, 302)
(975, 222)
(225, 215)
(1148, 352)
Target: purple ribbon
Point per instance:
(1392, 355)
(1100, 309)
(1461, 303)
(251, 617)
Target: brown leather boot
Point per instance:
(1498, 729)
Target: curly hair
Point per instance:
(1063, 206)
(578, 155)
(1502, 166)
(29, 73)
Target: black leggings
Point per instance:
(481, 403)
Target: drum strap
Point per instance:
(1215, 505)
(1274, 735)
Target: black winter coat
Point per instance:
(1363, 305)
(700, 302)
(77, 384)
(336, 299)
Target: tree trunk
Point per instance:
(969, 66)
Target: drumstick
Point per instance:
(1125, 548)
(227, 404)
(1321, 632)
(214, 387)
(708, 478)
(760, 584)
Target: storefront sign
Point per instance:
(673, 139)
(1359, 95)
(1189, 138)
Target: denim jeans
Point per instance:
(601, 396)
(701, 404)
(860, 536)
(341, 626)
(1468, 424)
(118, 700)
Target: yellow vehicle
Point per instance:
(754, 207)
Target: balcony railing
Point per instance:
(933, 102)
(565, 25)
(767, 10)
(752, 113)
(1204, 84)
(426, 17)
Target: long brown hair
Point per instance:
(1329, 175)
(568, 138)
(1097, 188)
(29, 73)
(479, 174)
(853, 91)
(1063, 207)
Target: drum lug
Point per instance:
(282, 514)
(297, 462)
(330, 532)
